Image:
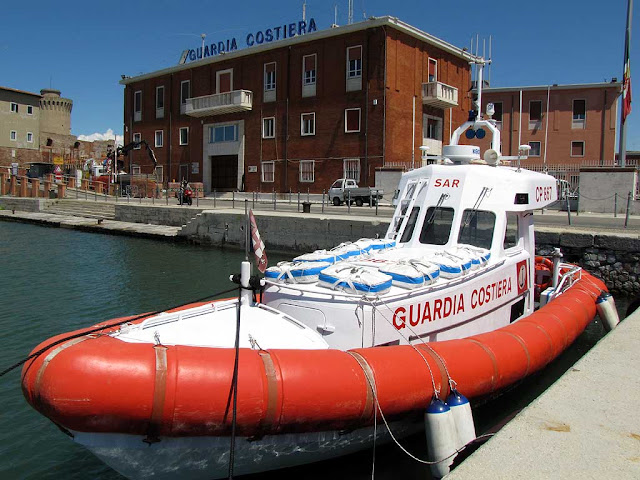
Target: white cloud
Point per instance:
(108, 135)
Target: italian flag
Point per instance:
(626, 82)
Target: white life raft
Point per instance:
(411, 273)
(295, 272)
(479, 256)
(351, 278)
(336, 254)
(451, 266)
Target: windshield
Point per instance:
(477, 228)
(336, 184)
(437, 226)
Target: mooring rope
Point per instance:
(103, 327)
(372, 385)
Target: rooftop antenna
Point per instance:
(350, 18)
(203, 36)
(364, 12)
(335, 16)
(304, 11)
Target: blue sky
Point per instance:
(82, 48)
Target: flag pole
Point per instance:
(622, 145)
(247, 237)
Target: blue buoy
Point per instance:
(480, 133)
(470, 133)
(441, 435)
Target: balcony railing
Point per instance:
(439, 95)
(220, 103)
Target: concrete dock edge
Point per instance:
(586, 425)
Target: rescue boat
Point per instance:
(342, 339)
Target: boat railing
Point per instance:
(569, 274)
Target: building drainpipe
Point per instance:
(604, 117)
(286, 128)
(384, 103)
(546, 131)
(511, 126)
(170, 125)
(366, 118)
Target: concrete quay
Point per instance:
(585, 426)
(160, 232)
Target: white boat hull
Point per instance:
(207, 458)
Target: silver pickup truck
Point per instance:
(345, 189)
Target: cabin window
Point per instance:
(477, 228)
(411, 225)
(511, 232)
(437, 226)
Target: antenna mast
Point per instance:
(350, 18)
(304, 11)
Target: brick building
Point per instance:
(37, 128)
(299, 112)
(579, 124)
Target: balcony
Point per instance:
(439, 95)
(220, 103)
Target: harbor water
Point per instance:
(57, 280)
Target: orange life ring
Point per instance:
(544, 261)
(543, 275)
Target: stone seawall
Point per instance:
(615, 258)
(287, 232)
(22, 204)
(155, 214)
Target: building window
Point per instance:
(185, 93)
(137, 137)
(577, 149)
(579, 114)
(352, 120)
(433, 70)
(160, 102)
(269, 127)
(432, 127)
(184, 135)
(14, 107)
(13, 135)
(159, 136)
(224, 81)
(354, 68)
(135, 169)
(497, 115)
(351, 167)
(269, 76)
(268, 171)
(29, 109)
(309, 75)
(308, 124)
(137, 106)
(29, 137)
(535, 114)
(309, 69)
(159, 173)
(535, 149)
(354, 61)
(223, 133)
(307, 170)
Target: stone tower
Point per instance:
(55, 113)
